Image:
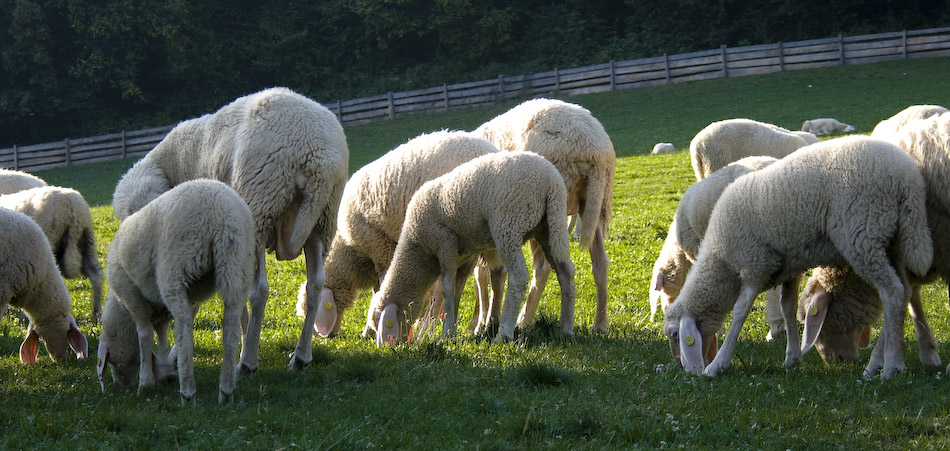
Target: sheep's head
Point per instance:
(328, 316)
(58, 335)
(837, 320)
(691, 346)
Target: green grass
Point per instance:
(542, 391)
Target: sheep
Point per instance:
(372, 211)
(809, 138)
(12, 181)
(29, 280)
(66, 220)
(173, 254)
(119, 346)
(889, 127)
(497, 201)
(723, 142)
(662, 148)
(686, 232)
(576, 143)
(287, 157)
(826, 126)
(852, 200)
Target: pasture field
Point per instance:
(543, 390)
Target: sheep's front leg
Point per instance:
(739, 314)
(925, 337)
(313, 252)
(252, 333)
(789, 303)
(599, 266)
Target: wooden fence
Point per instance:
(703, 65)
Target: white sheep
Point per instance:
(826, 126)
(287, 157)
(372, 211)
(662, 148)
(809, 138)
(855, 201)
(723, 142)
(173, 254)
(12, 181)
(686, 233)
(496, 201)
(576, 143)
(119, 345)
(888, 128)
(29, 280)
(66, 220)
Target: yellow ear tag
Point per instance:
(690, 340)
(98, 361)
(328, 305)
(388, 323)
(813, 311)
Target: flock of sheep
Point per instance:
(268, 172)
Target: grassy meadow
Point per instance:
(543, 390)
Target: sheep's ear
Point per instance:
(102, 358)
(815, 312)
(77, 340)
(864, 341)
(387, 331)
(691, 346)
(326, 314)
(30, 347)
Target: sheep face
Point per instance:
(690, 347)
(58, 337)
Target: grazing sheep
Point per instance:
(175, 253)
(30, 281)
(855, 201)
(12, 181)
(371, 216)
(496, 201)
(119, 345)
(826, 126)
(889, 127)
(65, 219)
(686, 232)
(662, 148)
(723, 142)
(576, 143)
(287, 157)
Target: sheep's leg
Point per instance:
(177, 304)
(774, 313)
(599, 266)
(90, 267)
(145, 335)
(565, 278)
(498, 276)
(313, 252)
(789, 304)
(252, 333)
(483, 303)
(165, 362)
(895, 309)
(450, 302)
(230, 340)
(541, 272)
(513, 259)
(739, 314)
(925, 337)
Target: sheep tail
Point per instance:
(68, 252)
(558, 235)
(915, 246)
(597, 204)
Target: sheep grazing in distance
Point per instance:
(496, 201)
(287, 157)
(65, 219)
(686, 232)
(888, 128)
(12, 181)
(662, 148)
(173, 254)
(571, 138)
(851, 201)
(29, 280)
(826, 126)
(723, 142)
(372, 211)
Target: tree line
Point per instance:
(72, 68)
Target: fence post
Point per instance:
(16, 158)
(725, 68)
(67, 152)
(781, 57)
(557, 81)
(392, 106)
(841, 48)
(613, 81)
(445, 96)
(339, 111)
(904, 44)
(123, 144)
(666, 66)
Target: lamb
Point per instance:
(576, 143)
(174, 253)
(65, 219)
(29, 280)
(826, 126)
(889, 127)
(372, 211)
(723, 142)
(686, 232)
(497, 201)
(853, 200)
(287, 157)
(12, 181)
(662, 148)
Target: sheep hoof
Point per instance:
(297, 363)
(224, 398)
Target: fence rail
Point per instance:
(702, 65)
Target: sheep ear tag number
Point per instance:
(326, 314)
(691, 346)
(387, 331)
(815, 312)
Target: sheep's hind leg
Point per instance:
(789, 303)
(513, 259)
(177, 304)
(599, 266)
(252, 332)
(230, 339)
(313, 252)
(542, 270)
(925, 338)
